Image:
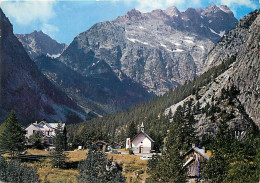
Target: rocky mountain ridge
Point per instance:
(112, 65)
(100, 93)
(25, 89)
(241, 43)
(38, 43)
(159, 50)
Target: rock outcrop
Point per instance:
(241, 43)
(37, 43)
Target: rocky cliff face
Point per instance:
(159, 50)
(102, 92)
(243, 44)
(243, 41)
(25, 89)
(37, 43)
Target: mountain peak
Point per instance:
(5, 27)
(37, 32)
(191, 12)
(133, 14)
(38, 43)
(216, 8)
(23, 84)
(172, 11)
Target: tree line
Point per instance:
(112, 127)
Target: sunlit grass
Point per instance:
(53, 175)
(133, 167)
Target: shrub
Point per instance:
(15, 171)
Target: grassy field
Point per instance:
(53, 175)
(133, 168)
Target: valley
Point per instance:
(178, 89)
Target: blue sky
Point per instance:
(63, 20)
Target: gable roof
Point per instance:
(100, 141)
(145, 134)
(54, 125)
(40, 126)
(198, 150)
(191, 159)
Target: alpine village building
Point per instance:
(141, 143)
(193, 160)
(47, 129)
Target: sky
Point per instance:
(65, 19)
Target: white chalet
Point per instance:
(142, 143)
(47, 129)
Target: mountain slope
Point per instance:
(242, 43)
(159, 50)
(37, 43)
(25, 89)
(228, 91)
(100, 93)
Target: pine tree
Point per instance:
(36, 139)
(59, 156)
(169, 166)
(12, 135)
(257, 157)
(15, 171)
(96, 168)
(216, 169)
(131, 130)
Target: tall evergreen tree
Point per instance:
(59, 156)
(169, 166)
(12, 135)
(36, 139)
(96, 168)
(257, 158)
(131, 130)
(216, 169)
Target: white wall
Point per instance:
(30, 130)
(142, 140)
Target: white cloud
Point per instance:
(149, 5)
(235, 4)
(49, 29)
(248, 3)
(25, 12)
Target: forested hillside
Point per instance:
(112, 127)
(210, 98)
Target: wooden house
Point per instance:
(101, 145)
(193, 160)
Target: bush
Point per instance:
(15, 171)
(131, 152)
(96, 168)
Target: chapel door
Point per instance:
(141, 149)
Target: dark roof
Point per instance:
(198, 150)
(145, 134)
(100, 142)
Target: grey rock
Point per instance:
(244, 74)
(159, 50)
(25, 89)
(37, 43)
(102, 92)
